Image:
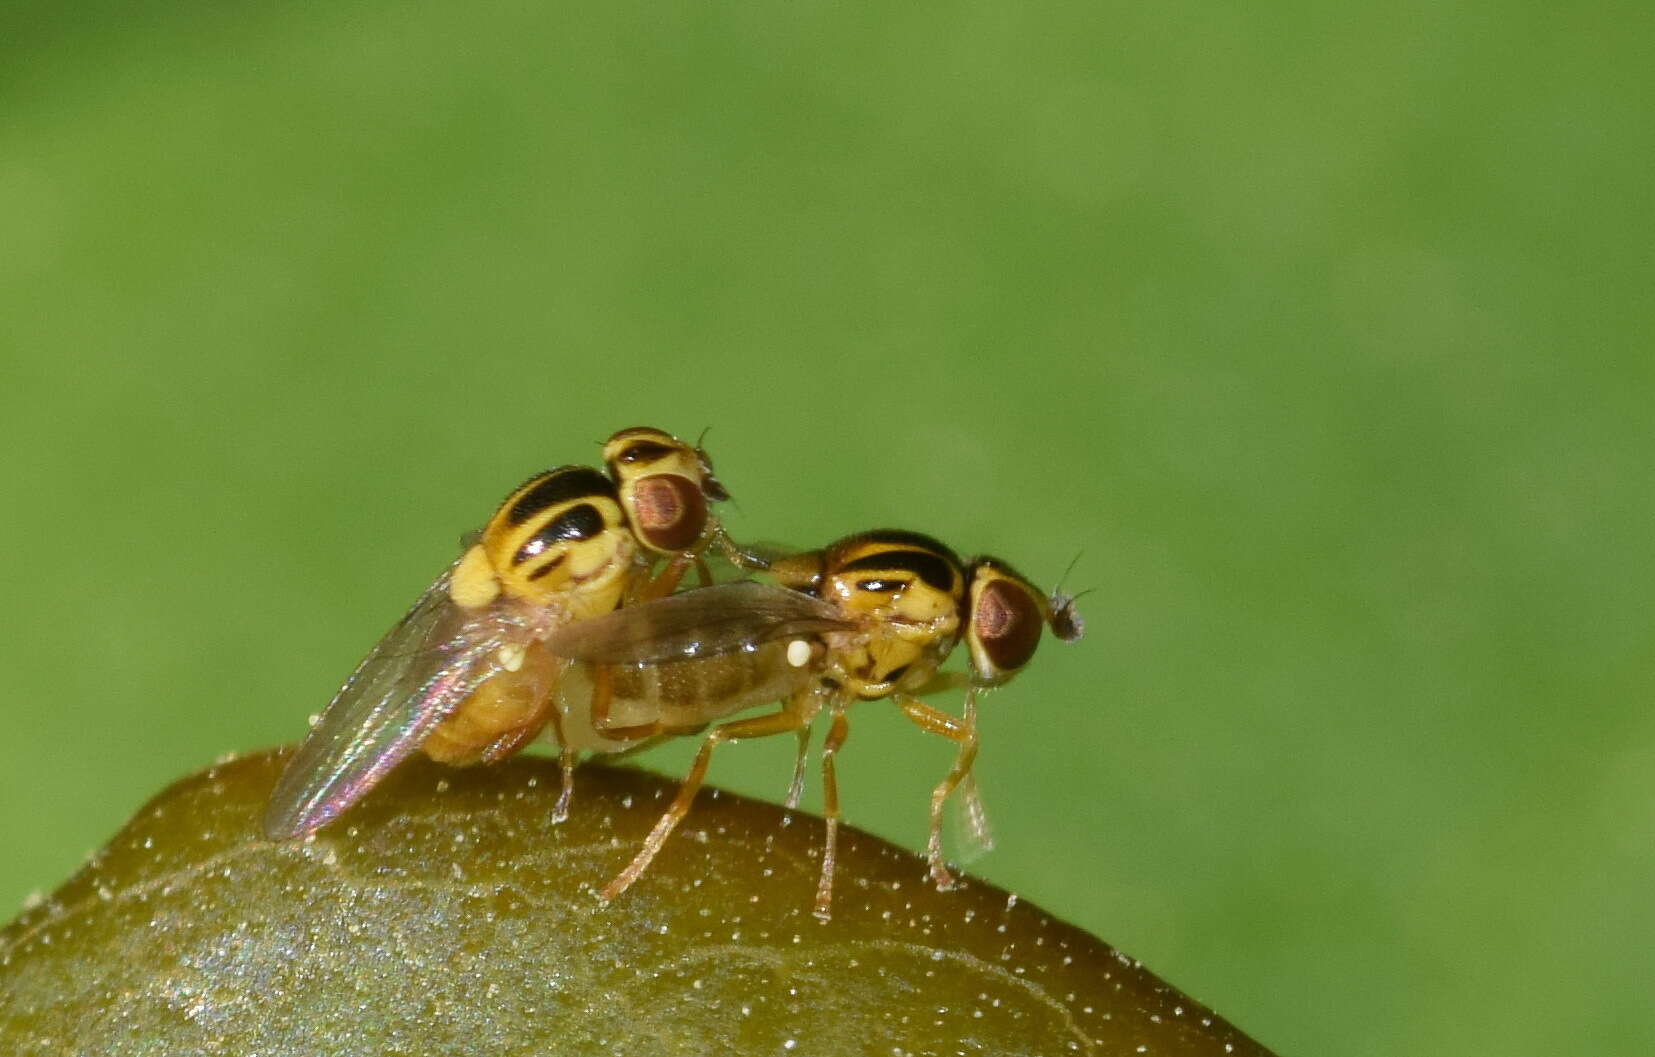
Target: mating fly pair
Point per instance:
(561, 615)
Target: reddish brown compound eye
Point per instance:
(1007, 625)
(669, 511)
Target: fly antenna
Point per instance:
(1066, 622)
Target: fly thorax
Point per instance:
(473, 584)
(561, 539)
(886, 663)
(602, 590)
(905, 592)
(893, 576)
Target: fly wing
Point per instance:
(703, 622)
(416, 677)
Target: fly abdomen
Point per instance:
(687, 693)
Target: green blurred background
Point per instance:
(1319, 329)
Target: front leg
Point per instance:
(647, 588)
(963, 732)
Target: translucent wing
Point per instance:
(416, 677)
(703, 622)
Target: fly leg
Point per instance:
(665, 582)
(672, 573)
(566, 765)
(791, 717)
(754, 557)
(796, 789)
(963, 732)
(977, 830)
(836, 735)
(512, 741)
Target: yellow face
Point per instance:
(663, 484)
(561, 538)
(906, 590)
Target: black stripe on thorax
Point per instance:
(558, 486)
(903, 538)
(579, 522)
(936, 570)
(547, 567)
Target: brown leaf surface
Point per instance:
(445, 915)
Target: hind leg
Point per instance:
(791, 717)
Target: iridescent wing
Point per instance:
(703, 622)
(416, 677)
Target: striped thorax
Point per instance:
(466, 675)
(903, 590)
(560, 538)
